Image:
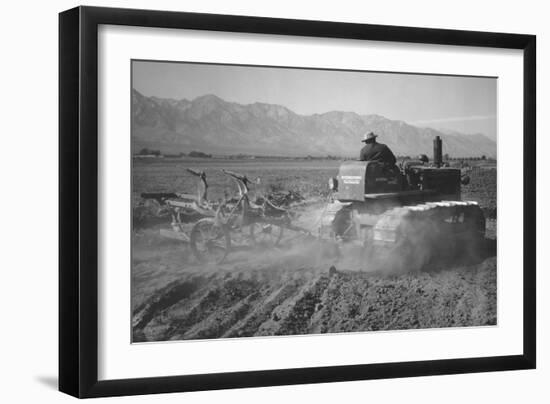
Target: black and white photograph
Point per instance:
(271, 201)
(275, 202)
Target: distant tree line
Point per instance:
(199, 154)
(327, 157)
(482, 158)
(180, 154)
(446, 157)
(157, 153)
(148, 152)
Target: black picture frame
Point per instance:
(78, 200)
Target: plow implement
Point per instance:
(227, 225)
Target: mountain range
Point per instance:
(213, 125)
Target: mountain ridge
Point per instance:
(213, 125)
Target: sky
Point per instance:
(455, 103)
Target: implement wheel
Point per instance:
(265, 235)
(210, 241)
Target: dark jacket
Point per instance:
(377, 152)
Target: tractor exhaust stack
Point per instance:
(438, 152)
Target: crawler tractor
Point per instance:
(406, 215)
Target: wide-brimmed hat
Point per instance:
(369, 136)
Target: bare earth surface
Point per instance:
(294, 291)
(299, 288)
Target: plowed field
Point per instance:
(297, 288)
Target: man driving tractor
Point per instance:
(374, 151)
